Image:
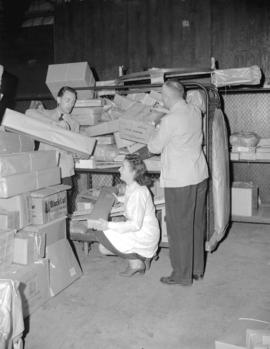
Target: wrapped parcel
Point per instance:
(47, 133)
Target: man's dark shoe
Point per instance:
(197, 277)
(168, 280)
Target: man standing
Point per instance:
(184, 176)
(60, 117)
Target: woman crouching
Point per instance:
(136, 239)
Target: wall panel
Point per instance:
(241, 33)
(136, 33)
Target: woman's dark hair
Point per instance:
(64, 89)
(137, 164)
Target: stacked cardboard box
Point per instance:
(33, 226)
(75, 75)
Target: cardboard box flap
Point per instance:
(49, 191)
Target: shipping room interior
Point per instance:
(121, 226)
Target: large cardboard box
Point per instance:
(47, 133)
(244, 199)
(70, 74)
(14, 143)
(6, 246)
(20, 203)
(48, 204)
(64, 267)
(17, 163)
(26, 182)
(17, 184)
(54, 230)
(33, 283)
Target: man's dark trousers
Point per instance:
(186, 225)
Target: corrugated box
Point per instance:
(137, 131)
(6, 246)
(64, 267)
(54, 230)
(17, 184)
(47, 133)
(28, 247)
(121, 142)
(48, 177)
(244, 199)
(26, 182)
(33, 283)
(9, 219)
(48, 204)
(103, 128)
(17, 163)
(87, 116)
(20, 203)
(14, 143)
(70, 74)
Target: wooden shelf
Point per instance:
(261, 216)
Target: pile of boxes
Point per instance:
(34, 249)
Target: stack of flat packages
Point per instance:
(125, 126)
(33, 211)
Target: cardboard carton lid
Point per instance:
(49, 190)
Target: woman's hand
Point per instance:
(119, 198)
(103, 224)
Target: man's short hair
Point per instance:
(64, 89)
(176, 87)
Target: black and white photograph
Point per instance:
(134, 174)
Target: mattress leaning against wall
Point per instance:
(220, 175)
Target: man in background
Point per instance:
(60, 117)
(184, 176)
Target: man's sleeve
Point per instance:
(160, 137)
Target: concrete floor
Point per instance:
(103, 310)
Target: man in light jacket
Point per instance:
(184, 176)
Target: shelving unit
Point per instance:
(248, 109)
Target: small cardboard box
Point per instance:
(244, 199)
(70, 74)
(33, 283)
(6, 246)
(48, 204)
(20, 203)
(64, 267)
(54, 230)
(28, 247)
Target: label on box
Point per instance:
(48, 204)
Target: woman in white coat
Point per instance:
(135, 239)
